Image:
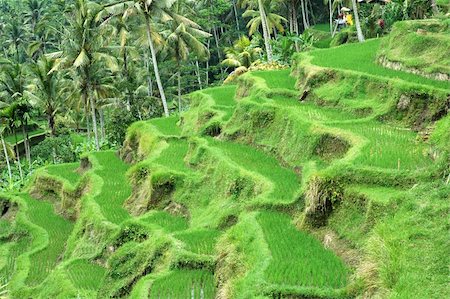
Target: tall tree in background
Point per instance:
(251, 4)
(182, 39)
(152, 12)
(357, 22)
(85, 51)
(46, 89)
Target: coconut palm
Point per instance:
(242, 54)
(3, 127)
(46, 90)
(259, 4)
(274, 21)
(152, 12)
(15, 36)
(357, 22)
(12, 87)
(85, 52)
(182, 39)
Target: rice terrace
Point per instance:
(206, 149)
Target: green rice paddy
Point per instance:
(299, 259)
(184, 284)
(58, 229)
(65, 171)
(115, 189)
(361, 57)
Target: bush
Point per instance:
(116, 125)
(55, 150)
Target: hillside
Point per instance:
(327, 180)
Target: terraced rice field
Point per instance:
(167, 125)
(388, 147)
(166, 221)
(173, 156)
(199, 241)
(361, 57)
(58, 229)
(277, 79)
(285, 181)
(115, 189)
(298, 259)
(65, 171)
(184, 284)
(86, 275)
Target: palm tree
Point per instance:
(85, 53)
(242, 54)
(357, 22)
(12, 87)
(47, 89)
(274, 22)
(181, 40)
(3, 127)
(152, 12)
(15, 36)
(250, 4)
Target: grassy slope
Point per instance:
(267, 254)
(115, 189)
(427, 52)
(58, 229)
(361, 58)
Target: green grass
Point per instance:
(277, 79)
(166, 221)
(286, 183)
(12, 139)
(167, 125)
(322, 27)
(184, 284)
(116, 188)
(200, 241)
(173, 155)
(389, 147)
(379, 194)
(58, 228)
(86, 275)
(65, 171)
(298, 259)
(311, 112)
(361, 57)
(222, 95)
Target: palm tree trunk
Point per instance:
(265, 28)
(149, 76)
(86, 113)
(199, 78)
(208, 45)
(18, 156)
(155, 66)
(51, 123)
(236, 15)
(179, 88)
(305, 22)
(313, 17)
(94, 123)
(5, 151)
(357, 23)
(331, 16)
(126, 75)
(25, 144)
(102, 124)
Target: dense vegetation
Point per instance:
(224, 149)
